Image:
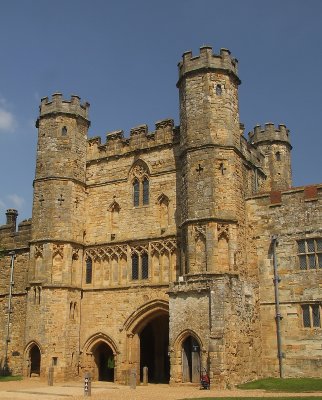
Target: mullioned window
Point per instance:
(310, 253)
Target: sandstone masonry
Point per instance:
(157, 249)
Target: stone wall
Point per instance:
(16, 343)
(291, 215)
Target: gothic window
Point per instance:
(89, 271)
(139, 176)
(310, 253)
(278, 156)
(135, 266)
(136, 193)
(64, 131)
(145, 191)
(218, 90)
(311, 316)
(145, 266)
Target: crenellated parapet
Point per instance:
(140, 138)
(10, 237)
(57, 105)
(269, 134)
(206, 60)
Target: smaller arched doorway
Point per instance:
(35, 359)
(190, 360)
(104, 361)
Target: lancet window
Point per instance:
(136, 193)
(135, 266)
(140, 266)
(89, 270)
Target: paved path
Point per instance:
(33, 389)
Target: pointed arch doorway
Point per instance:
(104, 362)
(35, 360)
(190, 360)
(154, 343)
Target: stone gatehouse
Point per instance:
(158, 249)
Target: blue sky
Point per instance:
(121, 56)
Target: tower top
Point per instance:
(269, 133)
(208, 61)
(58, 105)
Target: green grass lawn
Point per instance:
(291, 385)
(10, 378)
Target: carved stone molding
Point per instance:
(163, 246)
(39, 251)
(114, 206)
(107, 252)
(58, 249)
(140, 249)
(75, 255)
(139, 170)
(200, 231)
(223, 230)
(163, 198)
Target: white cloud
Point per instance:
(2, 204)
(16, 200)
(7, 121)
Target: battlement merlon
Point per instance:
(269, 134)
(161, 126)
(165, 133)
(60, 106)
(208, 61)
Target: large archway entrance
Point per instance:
(35, 359)
(154, 343)
(190, 360)
(104, 361)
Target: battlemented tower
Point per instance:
(274, 143)
(212, 202)
(213, 232)
(58, 228)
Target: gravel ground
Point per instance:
(33, 389)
